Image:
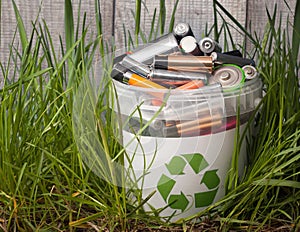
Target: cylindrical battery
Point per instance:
(234, 53)
(193, 126)
(208, 45)
(162, 75)
(122, 74)
(194, 84)
(135, 66)
(183, 63)
(189, 45)
(250, 72)
(201, 129)
(172, 84)
(229, 76)
(221, 58)
(181, 30)
(163, 45)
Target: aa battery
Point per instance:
(133, 79)
(189, 45)
(194, 127)
(118, 71)
(183, 63)
(163, 45)
(182, 30)
(135, 66)
(229, 76)
(162, 75)
(250, 72)
(234, 53)
(221, 58)
(119, 58)
(208, 45)
(122, 74)
(194, 84)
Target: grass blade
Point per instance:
(69, 36)
(172, 21)
(21, 27)
(296, 32)
(138, 9)
(236, 22)
(99, 28)
(162, 16)
(69, 24)
(152, 25)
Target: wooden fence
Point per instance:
(118, 14)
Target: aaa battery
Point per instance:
(133, 79)
(163, 45)
(163, 75)
(204, 122)
(234, 53)
(202, 129)
(136, 80)
(250, 72)
(183, 63)
(182, 30)
(135, 66)
(221, 58)
(190, 46)
(194, 84)
(208, 45)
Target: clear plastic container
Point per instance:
(180, 142)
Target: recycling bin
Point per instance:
(179, 143)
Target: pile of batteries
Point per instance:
(177, 61)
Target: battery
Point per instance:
(182, 30)
(162, 75)
(189, 45)
(135, 66)
(187, 128)
(234, 53)
(221, 58)
(183, 63)
(208, 45)
(229, 76)
(163, 45)
(194, 84)
(250, 72)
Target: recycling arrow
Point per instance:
(176, 165)
(204, 199)
(178, 201)
(165, 186)
(211, 179)
(196, 161)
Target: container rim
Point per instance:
(253, 84)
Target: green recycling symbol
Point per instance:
(176, 166)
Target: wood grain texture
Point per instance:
(257, 13)
(195, 12)
(257, 17)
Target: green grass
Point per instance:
(59, 144)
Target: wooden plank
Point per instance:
(51, 11)
(107, 16)
(123, 19)
(257, 14)
(9, 24)
(196, 13)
